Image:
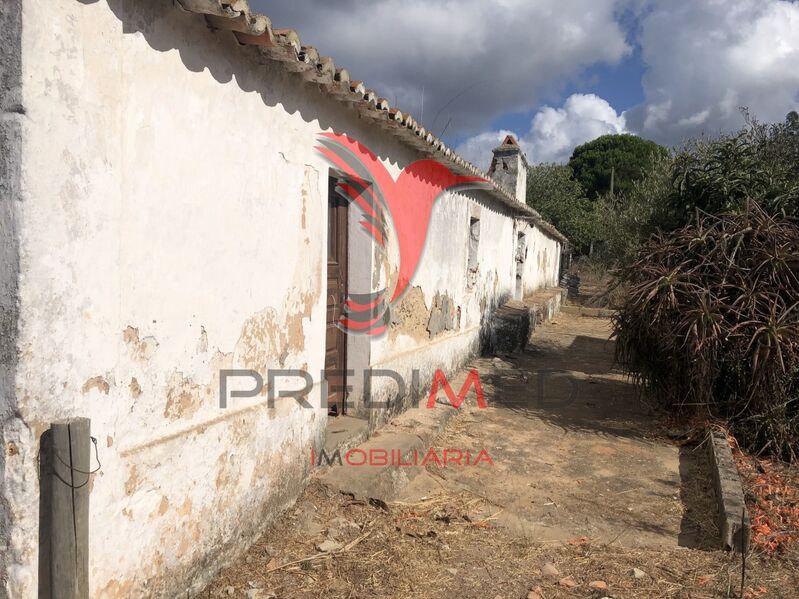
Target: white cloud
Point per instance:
(477, 149)
(707, 59)
(554, 132)
(704, 59)
(486, 58)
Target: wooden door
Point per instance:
(336, 339)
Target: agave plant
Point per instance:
(711, 322)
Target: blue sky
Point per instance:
(557, 73)
(619, 84)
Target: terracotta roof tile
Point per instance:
(284, 45)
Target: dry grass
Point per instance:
(447, 546)
(598, 287)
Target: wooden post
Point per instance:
(64, 510)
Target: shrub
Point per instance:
(711, 322)
(625, 221)
(721, 174)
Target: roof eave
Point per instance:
(284, 45)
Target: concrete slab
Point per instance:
(344, 432)
(380, 468)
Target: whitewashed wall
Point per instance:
(542, 265)
(169, 221)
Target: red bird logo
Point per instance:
(406, 203)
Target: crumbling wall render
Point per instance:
(439, 322)
(447, 315)
(14, 436)
(172, 225)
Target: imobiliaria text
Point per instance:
(397, 458)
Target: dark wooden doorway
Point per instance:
(336, 339)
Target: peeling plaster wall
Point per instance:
(411, 344)
(164, 217)
(172, 224)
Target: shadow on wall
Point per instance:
(166, 27)
(503, 328)
(11, 427)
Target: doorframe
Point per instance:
(343, 337)
(361, 278)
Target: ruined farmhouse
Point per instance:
(166, 215)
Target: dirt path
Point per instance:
(584, 488)
(575, 453)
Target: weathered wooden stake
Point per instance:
(64, 510)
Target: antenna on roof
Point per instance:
(445, 127)
(451, 100)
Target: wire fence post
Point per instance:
(64, 510)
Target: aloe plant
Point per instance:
(711, 323)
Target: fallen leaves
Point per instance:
(536, 593)
(758, 592)
(567, 583)
(549, 570)
(598, 585)
(579, 541)
(704, 579)
(772, 496)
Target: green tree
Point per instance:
(617, 160)
(625, 221)
(560, 199)
(714, 175)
